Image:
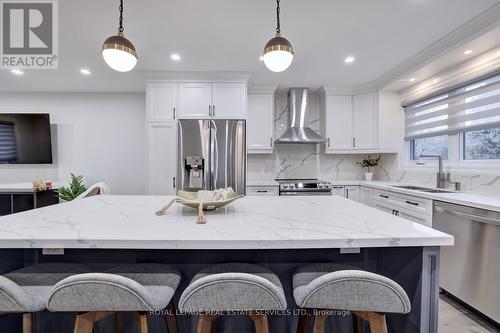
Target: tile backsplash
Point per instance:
(307, 161)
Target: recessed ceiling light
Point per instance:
(175, 57)
(349, 59)
(85, 71)
(412, 79)
(468, 52)
(16, 71)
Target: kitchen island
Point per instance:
(277, 232)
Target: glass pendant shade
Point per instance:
(278, 54)
(119, 53)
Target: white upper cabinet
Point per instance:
(338, 122)
(223, 100)
(365, 121)
(195, 100)
(161, 101)
(350, 123)
(229, 100)
(260, 123)
(162, 157)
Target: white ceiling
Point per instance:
(228, 35)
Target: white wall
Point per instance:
(101, 136)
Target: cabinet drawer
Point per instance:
(410, 202)
(404, 213)
(262, 190)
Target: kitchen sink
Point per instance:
(421, 189)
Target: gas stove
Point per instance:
(304, 187)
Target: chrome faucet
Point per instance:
(441, 178)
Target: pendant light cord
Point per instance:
(278, 28)
(120, 28)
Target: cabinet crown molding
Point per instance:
(166, 76)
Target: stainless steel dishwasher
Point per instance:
(470, 270)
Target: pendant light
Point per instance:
(278, 52)
(118, 52)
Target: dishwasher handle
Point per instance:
(472, 217)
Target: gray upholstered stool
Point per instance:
(136, 288)
(338, 287)
(233, 287)
(26, 290)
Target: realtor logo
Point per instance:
(29, 34)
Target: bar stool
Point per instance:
(26, 290)
(339, 287)
(136, 288)
(218, 289)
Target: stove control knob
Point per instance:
(285, 185)
(320, 185)
(328, 185)
(292, 185)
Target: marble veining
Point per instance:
(249, 223)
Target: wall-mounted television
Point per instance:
(25, 138)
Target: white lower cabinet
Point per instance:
(338, 190)
(262, 190)
(352, 192)
(412, 208)
(366, 195)
(349, 192)
(162, 157)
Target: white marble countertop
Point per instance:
(482, 201)
(249, 223)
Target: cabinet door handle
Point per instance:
(347, 193)
(328, 140)
(262, 191)
(173, 112)
(173, 182)
(354, 142)
(383, 196)
(412, 203)
(210, 110)
(271, 141)
(213, 110)
(337, 187)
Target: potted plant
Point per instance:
(75, 188)
(368, 163)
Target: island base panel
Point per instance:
(414, 268)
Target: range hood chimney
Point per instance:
(297, 131)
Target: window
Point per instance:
(482, 144)
(436, 145)
(459, 125)
(8, 147)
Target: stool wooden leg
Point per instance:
(118, 322)
(205, 323)
(260, 322)
(29, 323)
(142, 321)
(84, 322)
(319, 323)
(301, 327)
(357, 323)
(377, 322)
(171, 319)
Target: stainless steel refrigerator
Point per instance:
(212, 155)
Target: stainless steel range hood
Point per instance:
(297, 132)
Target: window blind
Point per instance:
(471, 107)
(8, 147)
